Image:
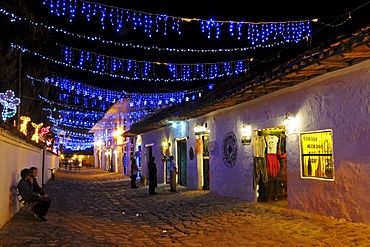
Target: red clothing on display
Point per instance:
(272, 165)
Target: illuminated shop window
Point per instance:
(317, 154)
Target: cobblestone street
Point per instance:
(97, 208)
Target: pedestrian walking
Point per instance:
(152, 176)
(173, 172)
(134, 171)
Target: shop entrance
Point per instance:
(206, 177)
(181, 161)
(270, 166)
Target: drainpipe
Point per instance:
(43, 165)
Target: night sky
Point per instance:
(328, 12)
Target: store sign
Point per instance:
(317, 154)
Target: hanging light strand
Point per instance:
(255, 32)
(139, 70)
(135, 46)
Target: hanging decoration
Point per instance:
(80, 88)
(35, 137)
(144, 69)
(135, 46)
(178, 72)
(9, 104)
(44, 131)
(23, 125)
(66, 139)
(255, 32)
(89, 94)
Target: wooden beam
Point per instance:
(334, 64)
(312, 72)
(356, 54)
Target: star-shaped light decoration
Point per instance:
(10, 104)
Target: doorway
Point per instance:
(270, 165)
(206, 168)
(182, 162)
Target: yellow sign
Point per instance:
(317, 154)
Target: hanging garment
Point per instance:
(272, 165)
(259, 146)
(272, 144)
(260, 171)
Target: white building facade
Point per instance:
(326, 143)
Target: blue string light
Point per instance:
(137, 73)
(261, 31)
(136, 46)
(144, 69)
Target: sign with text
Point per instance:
(317, 154)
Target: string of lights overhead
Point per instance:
(255, 32)
(145, 69)
(137, 100)
(15, 18)
(140, 69)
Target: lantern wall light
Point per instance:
(246, 134)
(291, 123)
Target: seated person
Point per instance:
(34, 184)
(42, 203)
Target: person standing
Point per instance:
(42, 203)
(173, 172)
(152, 176)
(134, 171)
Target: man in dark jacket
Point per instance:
(34, 184)
(42, 203)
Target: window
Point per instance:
(317, 154)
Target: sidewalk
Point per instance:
(97, 208)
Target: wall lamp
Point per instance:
(246, 130)
(246, 134)
(291, 123)
(200, 128)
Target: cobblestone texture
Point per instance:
(97, 208)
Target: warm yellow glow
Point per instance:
(35, 136)
(23, 126)
(247, 130)
(118, 132)
(98, 143)
(200, 128)
(291, 123)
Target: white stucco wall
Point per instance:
(155, 139)
(339, 101)
(16, 155)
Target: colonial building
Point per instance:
(299, 132)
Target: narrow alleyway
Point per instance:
(97, 208)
